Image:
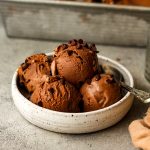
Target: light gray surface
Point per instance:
(18, 134)
(105, 24)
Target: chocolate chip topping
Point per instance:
(26, 61)
(64, 46)
(97, 77)
(79, 57)
(49, 59)
(28, 81)
(85, 45)
(79, 46)
(80, 41)
(51, 90)
(25, 66)
(40, 104)
(70, 52)
(110, 81)
(73, 42)
(59, 47)
(69, 42)
(93, 47)
(88, 81)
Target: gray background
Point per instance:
(16, 133)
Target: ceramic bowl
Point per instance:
(75, 123)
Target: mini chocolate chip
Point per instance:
(111, 75)
(64, 46)
(40, 104)
(70, 52)
(62, 81)
(28, 81)
(51, 90)
(25, 66)
(73, 42)
(80, 41)
(90, 47)
(30, 57)
(79, 57)
(49, 59)
(93, 47)
(88, 81)
(42, 84)
(26, 61)
(97, 77)
(79, 46)
(113, 80)
(22, 64)
(109, 81)
(85, 45)
(69, 42)
(96, 51)
(54, 55)
(58, 48)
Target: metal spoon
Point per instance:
(141, 95)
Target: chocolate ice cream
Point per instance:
(100, 92)
(76, 61)
(53, 83)
(57, 94)
(30, 73)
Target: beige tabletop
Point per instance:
(18, 134)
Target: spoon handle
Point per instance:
(141, 95)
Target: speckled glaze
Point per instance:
(75, 123)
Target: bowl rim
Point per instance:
(131, 82)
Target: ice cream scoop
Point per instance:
(76, 61)
(57, 94)
(30, 73)
(100, 92)
(143, 96)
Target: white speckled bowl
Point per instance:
(75, 123)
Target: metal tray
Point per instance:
(64, 20)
